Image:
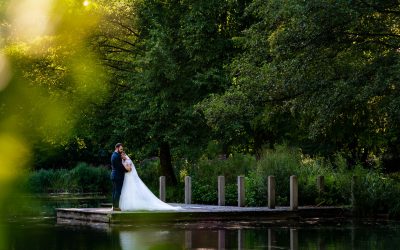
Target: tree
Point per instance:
(53, 77)
(329, 67)
(168, 56)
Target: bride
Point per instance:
(135, 195)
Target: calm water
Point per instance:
(41, 232)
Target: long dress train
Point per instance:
(135, 195)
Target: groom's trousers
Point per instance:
(116, 192)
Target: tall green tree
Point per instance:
(330, 68)
(50, 77)
(168, 56)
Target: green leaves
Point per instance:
(330, 66)
(322, 75)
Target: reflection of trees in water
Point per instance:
(345, 237)
(150, 239)
(26, 235)
(200, 239)
(185, 239)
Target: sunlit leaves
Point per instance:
(53, 74)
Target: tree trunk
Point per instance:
(166, 163)
(258, 142)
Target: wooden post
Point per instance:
(188, 190)
(221, 190)
(294, 239)
(294, 193)
(271, 192)
(320, 184)
(241, 194)
(162, 188)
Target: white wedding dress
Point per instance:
(136, 196)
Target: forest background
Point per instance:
(205, 88)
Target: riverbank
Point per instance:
(369, 191)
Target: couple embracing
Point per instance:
(129, 192)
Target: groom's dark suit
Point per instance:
(117, 177)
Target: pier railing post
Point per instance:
(241, 194)
(221, 190)
(188, 190)
(320, 184)
(162, 188)
(271, 192)
(294, 193)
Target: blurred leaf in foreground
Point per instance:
(48, 78)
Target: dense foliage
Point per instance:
(241, 75)
(319, 74)
(81, 179)
(374, 192)
(207, 88)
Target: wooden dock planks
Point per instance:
(191, 212)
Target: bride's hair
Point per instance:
(123, 153)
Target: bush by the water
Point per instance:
(374, 191)
(205, 174)
(284, 162)
(81, 179)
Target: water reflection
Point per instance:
(319, 238)
(45, 234)
(150, 239)
(38, 230)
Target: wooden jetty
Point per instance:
(199, 213)
(195, 213)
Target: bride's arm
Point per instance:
(127, 165)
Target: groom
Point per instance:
(117, 175)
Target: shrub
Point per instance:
(82, 178)
(375, 193)
(86, 178)
(60, 181)
(281, 163)
(284, 162)
(149, 171)
(39, 181)
(205, 177)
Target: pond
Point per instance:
(42, 232)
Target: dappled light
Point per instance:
(30, 19)
(14, 156)
(48, 76)
(4, 72)
(224, 102)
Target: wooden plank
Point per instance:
(84, 215)
(195, 213)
